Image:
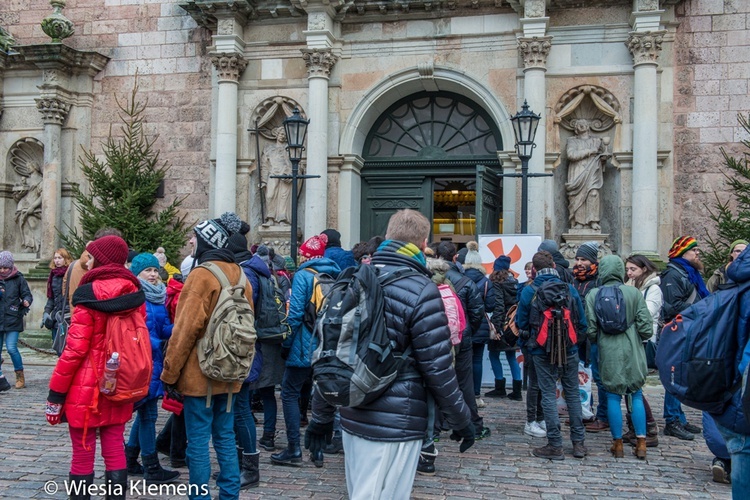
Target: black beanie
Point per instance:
(589, 251)
(334, 238)
(215, 233)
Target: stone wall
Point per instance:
(165, 47)
(712, 68)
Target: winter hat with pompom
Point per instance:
(215, 233)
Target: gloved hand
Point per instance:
(285, 352)
(171, 390)
(465, 436)
(317, 436)
(53, 411)
(48, 321)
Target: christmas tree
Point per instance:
(123, 187)
(732, 216)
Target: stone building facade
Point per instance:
(659, 82)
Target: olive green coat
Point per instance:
(622, 359)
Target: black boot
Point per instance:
(249, 470)
(153, 472)
(427, 457)
(499, 391)
(336, 446)
(267, 441)
(79, 486)
(117, 484)
(292, 455)
(516, 395)
(131, 455)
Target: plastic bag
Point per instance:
(584, 391)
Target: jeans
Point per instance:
(201, 425)
(291, 387)
(534, 411)
(673, 409)
(638, 414)
(268, 396)
(476, 361)
(739, 448)
(244, 425)
(465, 376)
(10, 339)
(547, 375)
(497, 366)
(714, 440)
(601, 394)
(143, 431)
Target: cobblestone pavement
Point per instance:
(501, 466)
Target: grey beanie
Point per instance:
(548, 246)
(263, 253)
(589, 251)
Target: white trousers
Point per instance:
(377, 470)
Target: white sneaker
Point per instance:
(533, 429)
(542, 425)
(481, 403)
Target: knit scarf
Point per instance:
(55, 273)
(156, 294)
(582, 273)
(109, 271)
(9, 273)
(219, 254)
(408, 249)
(694, 276)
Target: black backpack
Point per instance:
(354, 362)
(610, 310)
(271, 323)
(552, 316)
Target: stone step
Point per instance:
(41, 339)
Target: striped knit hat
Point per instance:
(682, 245)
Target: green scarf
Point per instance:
(408, 249)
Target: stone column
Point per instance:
(229, 68)
(54, 110)
(534, 51)
(645, 48)
(511, 165)
(319, 63)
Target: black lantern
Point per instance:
(524, 127)
(296, 130)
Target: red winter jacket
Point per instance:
(174, 289)
(73, 377)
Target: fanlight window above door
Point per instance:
(433, 126)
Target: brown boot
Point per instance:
(640, 448)
(617, 448)
(20, 381)
(652, 435)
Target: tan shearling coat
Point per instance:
(197, 301)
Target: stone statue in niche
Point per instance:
(587, 157)
(277, 192)
(26, 158)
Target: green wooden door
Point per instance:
(382, 196)
(488, 201)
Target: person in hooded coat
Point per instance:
(622, 359)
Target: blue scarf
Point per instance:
(693, 276)
(406, 249)
(156, 294)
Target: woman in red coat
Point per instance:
(74, 397)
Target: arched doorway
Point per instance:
(435, 152)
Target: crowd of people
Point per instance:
(389, 440)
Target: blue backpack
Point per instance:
(697, 353)
(610, 310)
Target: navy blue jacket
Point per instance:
(253, 268)
(13, 292)
(159, 330)
(524, 305)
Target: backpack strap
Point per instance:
(462, 283)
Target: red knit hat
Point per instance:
(108, 250)
(682, 245)
(314, 247)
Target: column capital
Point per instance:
(53, 109)
(534, 51)
(645, 46)
(229, 65)
(319, 62)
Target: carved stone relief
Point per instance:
(229, 66)
(534, 51)
(319, 62)
(534, 8)
(26, 157)
(645, 47)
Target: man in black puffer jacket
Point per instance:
(386, 435)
